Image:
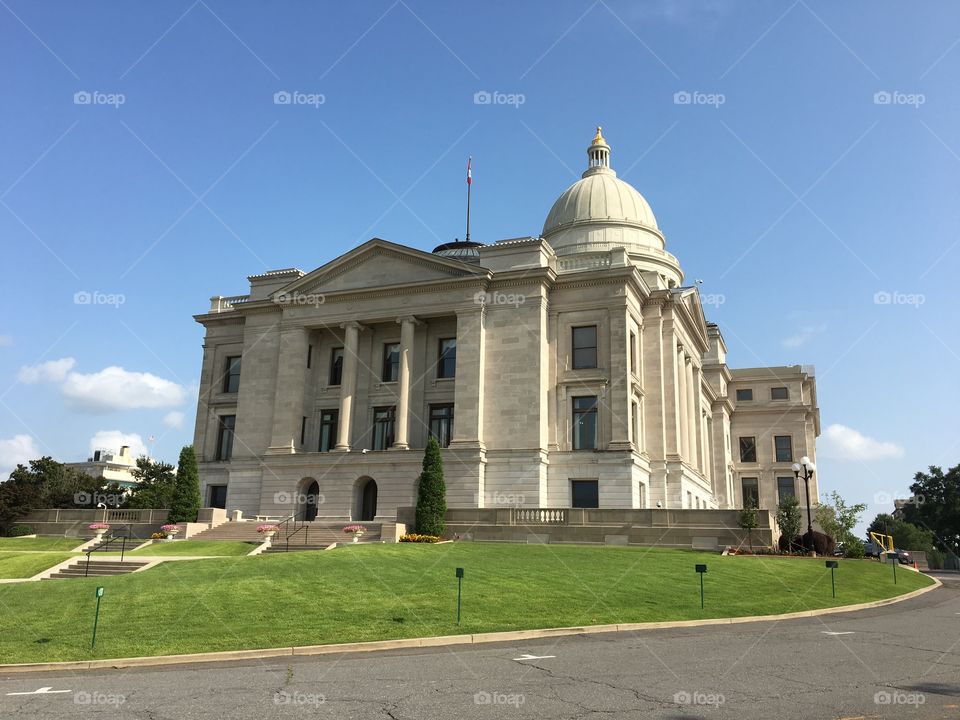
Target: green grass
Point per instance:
(24, 565)
(395, 591)
(41, 543)
(197, 547)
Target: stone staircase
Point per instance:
(232, 531)
(98, 568)
(318, 535)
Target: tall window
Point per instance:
(785, 488)
(225, 437)
(441, 423)
(303, 430)
(748, 449)
(751, 492)
(633, 353)
(447, 360)
(309, 356)
(635, 424)
(231, 379)
(744, 394)
(585, 493)
(585, 423)
(384, 422)
(783, 444)
(328, 430)
(336, 366)
(779, 393)
(585, 347)
(391, 362)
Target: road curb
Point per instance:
(441, 640)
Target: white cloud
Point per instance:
(845, 443)
(173, 419)
(114, 388)
(114, 440)
(16, 450)
(51, 371)
(803, 336)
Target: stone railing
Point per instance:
(587, 263)
(55, 515)
(219, 303)
(538, 516)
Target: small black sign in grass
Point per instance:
(701, 569)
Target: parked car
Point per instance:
(903, 557)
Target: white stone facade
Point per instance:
(667, 419)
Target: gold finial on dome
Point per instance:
(598, 139)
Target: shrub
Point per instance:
(158, 536)
(20, 530)
(748, 521)
(854, 548)
(431, 492)
(414, 538)
(935, 559)
(820, 543)
(786, 545)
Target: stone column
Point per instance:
(691, 414)
(684, 419)
(402, 432)
(348, 384)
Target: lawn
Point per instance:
(394, 591)
(59, 544)
(196, 547)
(24, 565)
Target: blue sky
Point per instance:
(787, 184)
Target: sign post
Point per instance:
(892, 559)
(459, 591)
(833, 565)
(701, 569)
(96, 618)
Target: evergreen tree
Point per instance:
(186, 488)
(156, 483)
(431, 492)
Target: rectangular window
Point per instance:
(785, 488)
(217, 495)
(689, 499)
(585, 493)
(336, 366)
(231, 379)
(328, 430)
(783, 444)
(745, 395)
(225, 437)
(309, 356)
(447, 359)
(584, 347)
(303, 431)
(633, 353)
(748, 449)
(391, 362)
(384, 422)
(585, 423)
(441, 423)
(635, 424)
(779, 393)
(751, 492)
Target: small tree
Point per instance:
(155, 484)
(431, 492)
(748, 521)
(788, 518)
(186, 488)
(839, 519)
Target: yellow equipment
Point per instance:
(884, 541)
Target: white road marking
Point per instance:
(827, 632)
(41, 691)
(534, 657)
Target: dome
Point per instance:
(466, 251)
(600, 197)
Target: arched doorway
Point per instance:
(310, 501)
(366, 506)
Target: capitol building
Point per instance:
(571, 370)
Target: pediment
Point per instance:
(378, 264)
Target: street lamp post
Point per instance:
(808, 467)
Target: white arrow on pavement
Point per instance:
(41, 691)
(534, 657)
(827, 632)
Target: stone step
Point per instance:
(97, 569)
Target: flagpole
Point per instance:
(469, 185)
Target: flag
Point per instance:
(469, 171)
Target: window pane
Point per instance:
(383, 425)
(748, 449)
(744, 395)
(585, 423)
(779, 393)
(225, 439)
(336, 366)
(447, 362)
(391, 362)
(751, 492)
(441, 424)
(328, 430)
(585, 347)
(231, 380)
(784, 448)
(586, 494)
(785, 488)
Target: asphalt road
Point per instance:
(901, 661)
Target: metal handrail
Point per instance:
(104, 546)
(305, 526)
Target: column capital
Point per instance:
(352, 324)
(409, 319)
